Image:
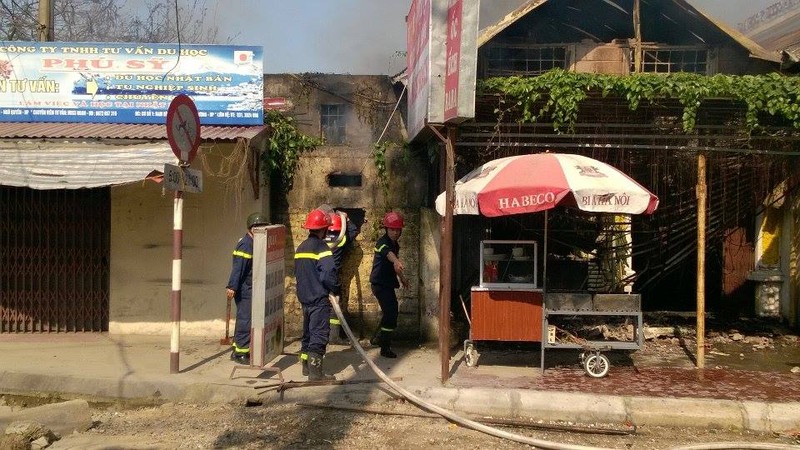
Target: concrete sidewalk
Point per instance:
(99, 366)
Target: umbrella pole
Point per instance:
(544, 295)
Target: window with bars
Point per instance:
(505, 60)
(331, 121)
(673, 60)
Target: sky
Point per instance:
(361, 36)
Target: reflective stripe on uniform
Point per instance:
(335, 322)
(313, 255)
(242, 254)
(303, 356)
(344, 241)
(387, 329)
(238, 349)
(378, 249)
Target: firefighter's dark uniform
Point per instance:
(316, 276)
(383, 280)
(241, 281)
(339, 251)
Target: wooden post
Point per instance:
(637, 30)
(701, 259)
(446, 268)
(45, 31)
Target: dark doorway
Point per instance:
(54, 260)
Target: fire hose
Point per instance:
(471, 424)
(467, 423)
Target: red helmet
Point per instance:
(317, 220)
(393, 220)
(336, 222)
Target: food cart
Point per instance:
(511, 303)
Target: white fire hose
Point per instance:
(471, 424)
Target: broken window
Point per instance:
(331, 123)
(519, 59)
(673, 60)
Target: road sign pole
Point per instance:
(183, 133)
(177, 256)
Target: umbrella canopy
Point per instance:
(538, 182)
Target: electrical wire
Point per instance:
(178, 31)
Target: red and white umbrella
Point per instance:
(538, 182)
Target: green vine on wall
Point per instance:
(379, 157)
(284, 147)
(562, 93)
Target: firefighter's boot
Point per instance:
(386, 345)
(375, 340)
(240, 357)
(315, 370)
(304, 363)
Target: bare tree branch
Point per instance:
(111, 21)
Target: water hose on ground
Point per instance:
(466, 423)
(471, 424)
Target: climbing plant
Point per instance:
(379, 157)
(557, 94)
(284, 147)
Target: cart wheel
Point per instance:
(596, 365)
(470, 355)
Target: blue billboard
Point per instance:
(129, 83)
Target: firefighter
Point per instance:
(316, 276)
(240, 288)
(340, 244)
(387, 275)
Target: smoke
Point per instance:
(365, 36)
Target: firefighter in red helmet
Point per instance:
(386, 276)
(317, 277)
(340, 238)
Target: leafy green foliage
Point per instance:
(284, 147)
(562, 92)
(379, 155)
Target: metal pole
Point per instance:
(701, 259)
(545, 320)
(177, 255)
(447, 255)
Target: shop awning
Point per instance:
(72, 165)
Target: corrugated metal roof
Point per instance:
(751, 46)
(10, 130)
(40, 165)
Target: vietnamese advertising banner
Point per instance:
(129, 83)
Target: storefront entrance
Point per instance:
(54, 260)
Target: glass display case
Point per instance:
(509, 264)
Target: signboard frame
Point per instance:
(269, 293)
(461, 60)
(131, 83)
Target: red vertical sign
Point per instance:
(454, 15)
(418, 25)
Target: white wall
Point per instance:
(141, 249)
